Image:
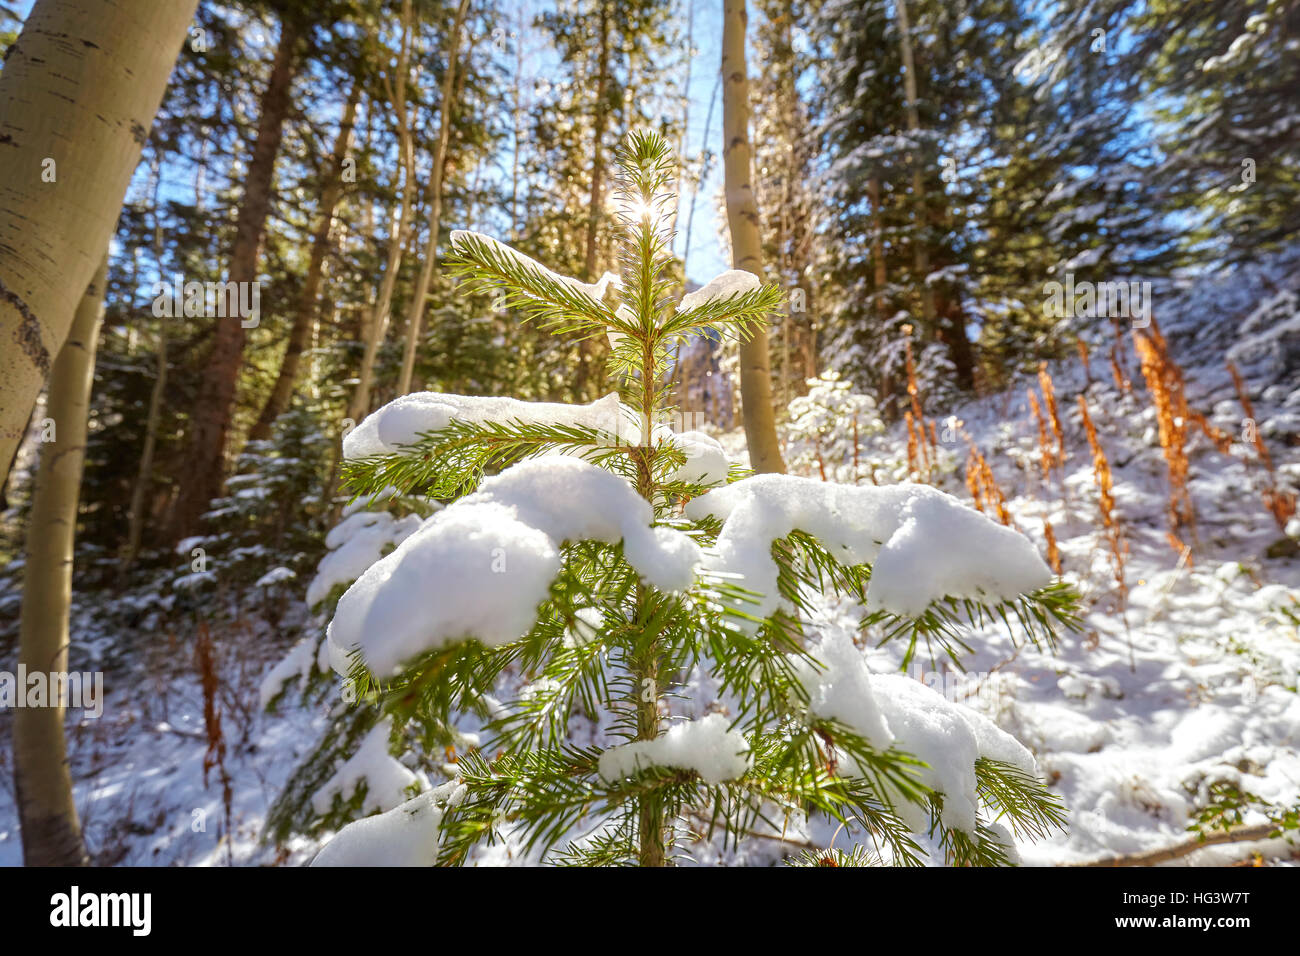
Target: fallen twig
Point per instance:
(1178, 850)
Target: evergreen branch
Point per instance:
(1038, 617)
(452, 462)
(1031, 811)
(853, 857)
(736, 315)
(548, 299)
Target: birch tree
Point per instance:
(746, 242)
(415, 315)
(377, 321)
(47, 812)
(78, 93)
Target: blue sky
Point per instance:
(706, 258)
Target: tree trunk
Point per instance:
(46, 810)
(78, 93)
(880, 276)
(304, 316)
(596, 201)
(377, 324)
(415, 315)
(203, 474)
(516, 136)
(746, 244)
(139, 494)
(952, 331)
(920, 250)
(144, 475)
(599, 123)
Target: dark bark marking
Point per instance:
(28, 333)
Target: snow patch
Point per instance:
(407, 835)
(386, 780)
(479, 568)
(922, 544)
(706, 746)
(403, 420)
(722, 286)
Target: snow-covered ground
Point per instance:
(1191, 683)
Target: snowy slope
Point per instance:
(1130, 720)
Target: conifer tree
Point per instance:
(592, 560)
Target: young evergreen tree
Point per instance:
(601, 558)
(611, 76)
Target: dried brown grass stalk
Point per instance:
(1168, 396)
(1106, 502)
(1053, 550)
(215, 756)
(1045, 456)
(1049, 400)
(973, 478)
(1221, 439)
(1117, 373)
(913, 458)
(983, 486)
(926, 439)
(1117, 370)
(1280, 504)
(1082, 348)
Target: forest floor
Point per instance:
(1189, 681)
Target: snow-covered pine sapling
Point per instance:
(614, 567)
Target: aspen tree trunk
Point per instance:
(377, 324)
(47, 812)
(596, 201)
(746, 245)
(304, 316)
(599, 124)
(517, 133)
(415, 315)
(920, 251)
(78, 93)
(784, 274)
(203, 473)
